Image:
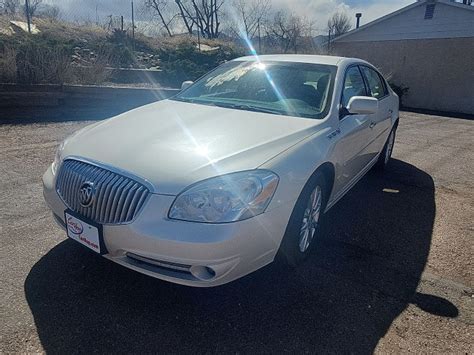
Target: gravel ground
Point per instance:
(393, 274)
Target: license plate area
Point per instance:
(85, 232)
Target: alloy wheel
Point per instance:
(390, 143)
(310, 219)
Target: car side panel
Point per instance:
(383, 124)
(339, 142)
(296, 165)
(351, 148)
(381, 121)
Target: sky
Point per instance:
(317, 10)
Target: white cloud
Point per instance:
(321, 10)
(379, 9)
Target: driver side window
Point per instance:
(353, 85)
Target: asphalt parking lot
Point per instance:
(394, 272)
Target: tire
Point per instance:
(293, 249)
(386, 153)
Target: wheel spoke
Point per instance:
(304, 240)
(305, 224)
(315, 217)
(390, 143)
(314, 197)
(317, 206)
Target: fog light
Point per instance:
(203, 273)
(210, 271)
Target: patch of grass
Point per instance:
(40, 63)
(8, 65)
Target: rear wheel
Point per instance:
(386, 153)
(304, 226)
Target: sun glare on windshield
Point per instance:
(283, 88)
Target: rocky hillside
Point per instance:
(63, 52)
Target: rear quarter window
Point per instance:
(376, 83)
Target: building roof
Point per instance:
(450, 19)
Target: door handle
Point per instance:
(390, 113)
(372, 124)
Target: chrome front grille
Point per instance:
(117, 198)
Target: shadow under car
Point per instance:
(361, 276)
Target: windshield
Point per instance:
(284, 88)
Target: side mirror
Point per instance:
(363, 105)
(186, 84)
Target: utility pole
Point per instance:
(199, 40)
(28, 19)
(121, 23)
(259, 38)
(133, 27)
(329, 42)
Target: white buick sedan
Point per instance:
(235, 170)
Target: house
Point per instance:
(427, 47)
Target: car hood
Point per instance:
(173, 144)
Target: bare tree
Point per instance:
(250, 15)
(49, 11)
(33, 7)
(339, 24)
(161, 9)
(9, 7)
(289, 30)
(186, 17)
(204, 14)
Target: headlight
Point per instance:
(57, 158)
(226, 198)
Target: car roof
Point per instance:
(302, 58)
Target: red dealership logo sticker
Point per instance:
(74, 226)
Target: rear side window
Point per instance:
(353, 85)
(376, 84)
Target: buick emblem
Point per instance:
(86, 194)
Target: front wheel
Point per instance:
(304, 226)
(386, 153)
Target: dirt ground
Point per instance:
(393, 274)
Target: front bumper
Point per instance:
(193, 254)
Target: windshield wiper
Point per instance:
(248, 108)
(184, 99)
(231, 105)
